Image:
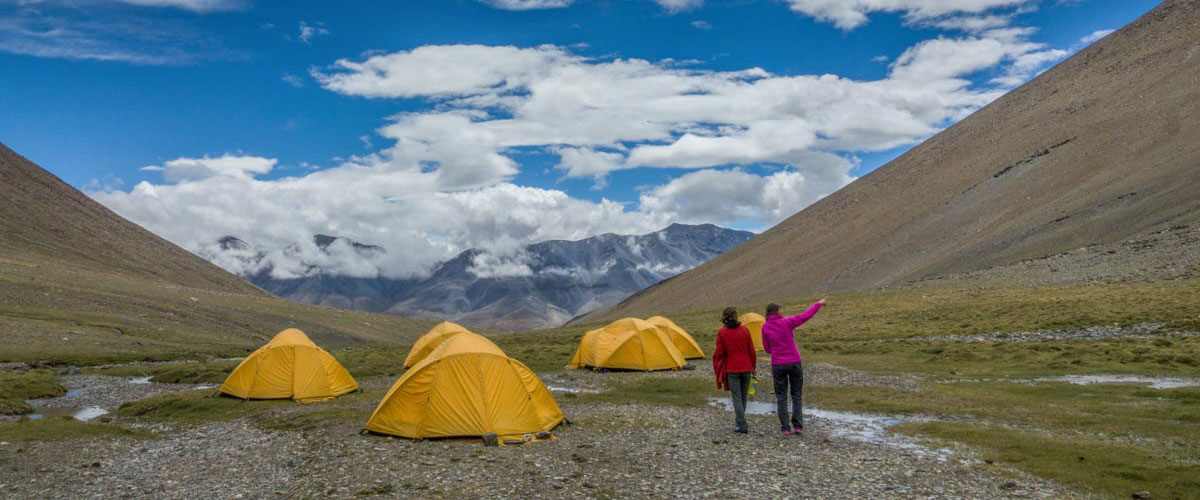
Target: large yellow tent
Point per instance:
(754, 323)
(466, 387)
(431, 340)
(289, 366)
(628, 344)
(681, 338)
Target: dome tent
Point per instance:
(289, 366)
(628, 344)
(754, 322)
(681, 338)
(431, 340)
(466, 387)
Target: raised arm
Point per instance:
(800, 319)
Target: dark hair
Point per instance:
(772, 308)
(730, 318)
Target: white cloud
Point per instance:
(701, 25)
(293, 80)
(850, 14)
(527, 4)
(679, 5)
(374, 203)
(1096, 35)
(192, 5)
(310, 31)
(739, 195)
(60, 32)
(191, 169)
(443, 184)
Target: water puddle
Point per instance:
(82, 414)
(572, 390)
(1154, 382)
(74, 392)
(853, 426)
(141, 380)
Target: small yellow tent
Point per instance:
(431, 340)
(681, 338)
(628, 344)
(754, 323)
(289, 366)
(466, 387)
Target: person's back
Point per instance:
(734, 359)
(779, 340)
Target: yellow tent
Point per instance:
(289, 366)
(431, 340)
(680, 337)
(754, 323)
(466, 387)
(628, 344)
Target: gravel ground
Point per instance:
(611, 452)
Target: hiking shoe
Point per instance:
(786, 432)
(742, 431)
(798, 432)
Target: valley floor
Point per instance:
(610, 451)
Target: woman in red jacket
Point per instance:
(734, 360)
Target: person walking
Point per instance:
(779, 341)
(734, 360)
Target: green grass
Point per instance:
(15, 388)
(59, 428)
(177, 373)
(1108, 469)
(79, 317)
(660, 389)
(196, 407)
(1163, 356)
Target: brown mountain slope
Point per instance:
(80, 284)
(1104, 146)
(42, 219)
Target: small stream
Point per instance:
(1153, 382)
(859, 427)
(92, 396)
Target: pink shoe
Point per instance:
(787, 432)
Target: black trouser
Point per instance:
(739, 385)
(788, 378)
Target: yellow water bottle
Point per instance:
(753, 385)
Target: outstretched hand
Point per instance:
(822, 301)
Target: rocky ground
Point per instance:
(611, 451)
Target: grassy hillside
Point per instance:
(1096, 150)
(79, 284)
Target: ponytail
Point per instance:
(730, 318)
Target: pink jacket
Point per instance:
(779, 338)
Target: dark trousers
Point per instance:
(789, 378)
(739, 385)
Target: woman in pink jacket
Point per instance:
(779, 340)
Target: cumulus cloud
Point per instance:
(760, 147)
(527, 4)
(400, 210)
(850, 14)
(721, 194)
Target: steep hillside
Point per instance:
(42, 219)
(80, 284)
(1102, 147)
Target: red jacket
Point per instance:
(734, 354)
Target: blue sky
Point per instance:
(432, 126)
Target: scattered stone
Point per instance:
(1142, 495)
